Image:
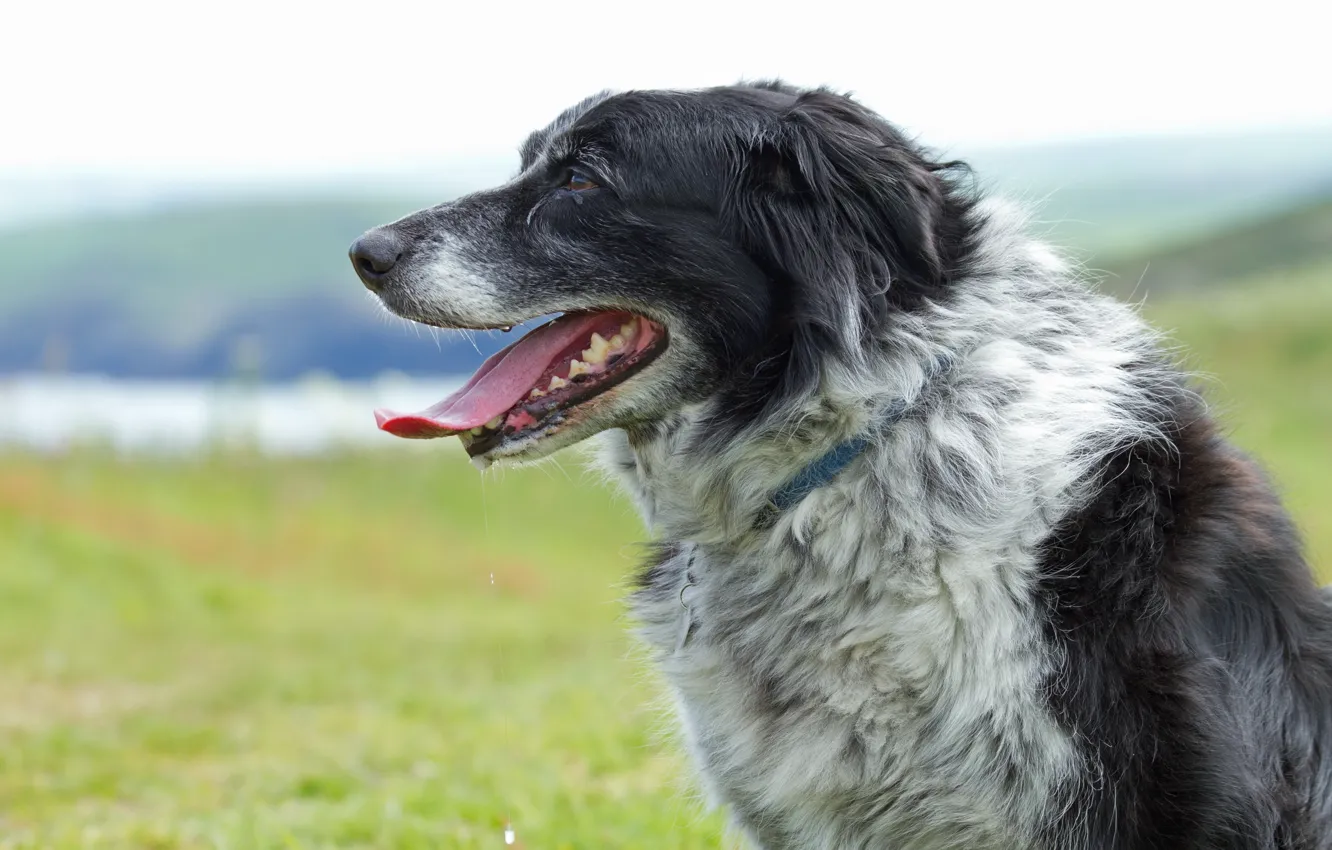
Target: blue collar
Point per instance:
(821, 472)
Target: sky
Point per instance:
(266, 88)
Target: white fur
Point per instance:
(453, 284)
(867, 673)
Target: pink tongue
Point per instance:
(501, 382)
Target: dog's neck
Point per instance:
(731, 497)
(1000, 323)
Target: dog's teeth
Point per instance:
(597, 353)
(617, 342)
(557, 383)
(577, 367)
(494, 423)
(536, 393)
(477, 431)
(628, 330)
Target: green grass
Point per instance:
(242, 653)
(1263, 349)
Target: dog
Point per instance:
(948, 552)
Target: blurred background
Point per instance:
(235, 615)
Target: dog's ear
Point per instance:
(850, 221)
(833, 197)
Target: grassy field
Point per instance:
(242, 653)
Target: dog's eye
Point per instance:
(578, 182)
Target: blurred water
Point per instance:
(52, 414)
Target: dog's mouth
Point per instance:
(535, 385)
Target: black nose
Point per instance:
(374, 255)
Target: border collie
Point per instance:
(948, 552)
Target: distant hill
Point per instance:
(192, 256)
(178, 291)
(1110, 197)
(194, 288)
(1291, 240)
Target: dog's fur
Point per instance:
(1050, 607)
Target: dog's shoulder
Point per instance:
(1195, 652)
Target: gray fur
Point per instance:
(867, 672)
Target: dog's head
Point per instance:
(720, 246)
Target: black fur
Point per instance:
(723, 230)
(1196, 654)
